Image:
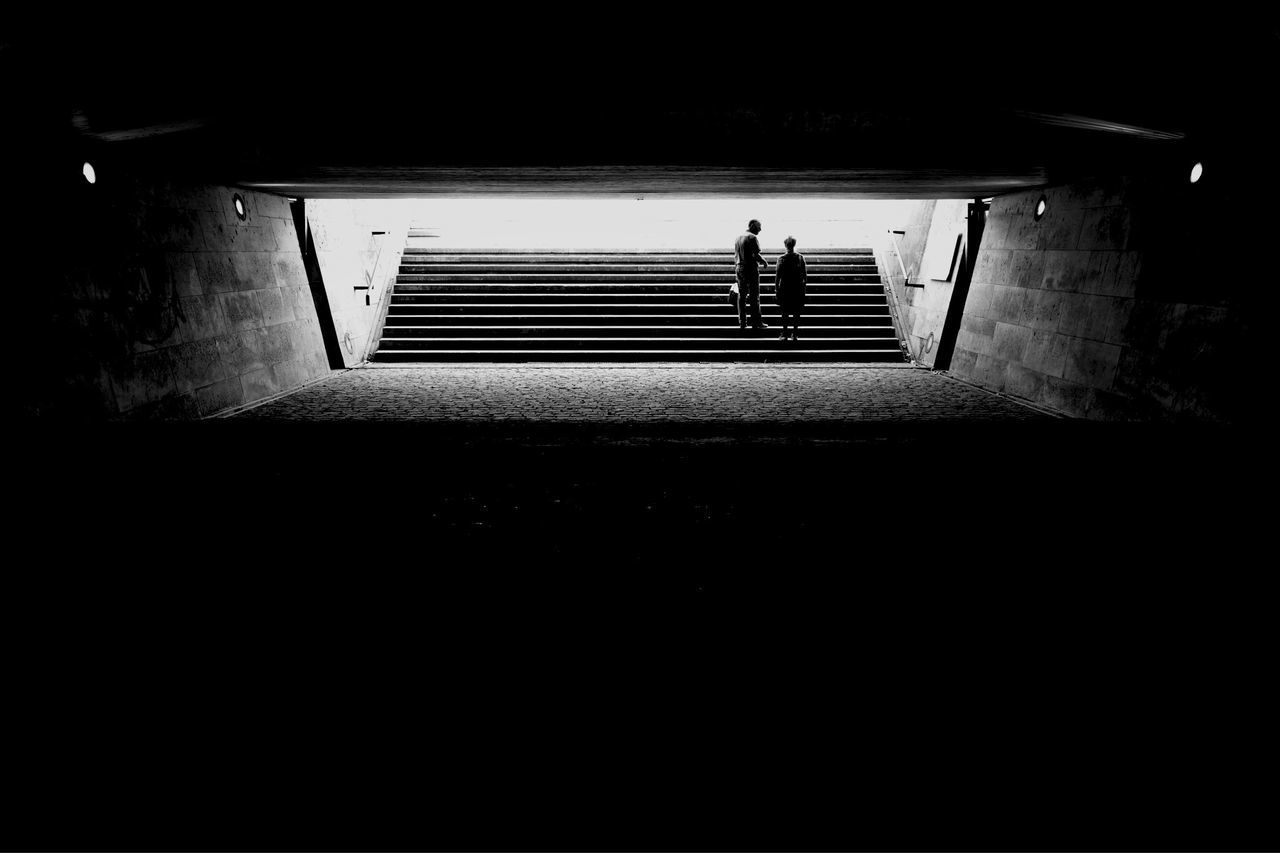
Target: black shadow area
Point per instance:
(738, 637)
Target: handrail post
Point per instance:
(906, 280)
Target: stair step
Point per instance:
(621, 272)
(684, 281)
(451, 304)
(683, 321)
(720, 289)
(725, 329)
(484, 265)
(767, 251)
(737, 340)
(795, 354)
(708, 301)
(622, 309)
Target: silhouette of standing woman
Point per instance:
(788, 289)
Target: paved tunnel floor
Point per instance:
(741, 477)
(677, 394)
(641, 609)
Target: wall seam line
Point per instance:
(244, 407)
(1021, 401)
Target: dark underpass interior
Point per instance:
(225, 630)
(737, 637)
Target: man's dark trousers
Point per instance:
(748, 291)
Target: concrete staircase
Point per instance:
(624, 305)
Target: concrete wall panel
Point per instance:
(1109, 306)
(143, 378)
(1028, 267)
(201, 318)
(1010, 341)
(352, 257)
(260, 383)
(993, 266)
(1046, 352)
(1105, 228)
(211, 399)
(1091, 363)
(169, 300)
(1022, 381)
(995, 232)
(1060, 229)
(216, 271)
(979, 302)
(1044, 309)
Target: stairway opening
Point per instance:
(632, 280)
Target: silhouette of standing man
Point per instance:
(747, 263)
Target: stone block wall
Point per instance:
(163, 303)
(1111, 306)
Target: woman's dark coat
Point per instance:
(790, 281)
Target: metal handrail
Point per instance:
(895, 310)
(897, 253)
(373, 270)
(378, 259)
(384, 300)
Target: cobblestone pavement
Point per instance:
(641, 394)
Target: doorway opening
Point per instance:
(633, 279)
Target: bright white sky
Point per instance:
(651, 223)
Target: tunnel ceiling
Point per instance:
(391, 103)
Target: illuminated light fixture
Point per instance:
(1041, 206)
(239, 203)
(1196, 171)
(89, 173)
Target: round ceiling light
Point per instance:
(89, 173)
(1196, 171)
(1041, 206)
(239, 203)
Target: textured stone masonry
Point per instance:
(1106, 307)
(186, 308)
